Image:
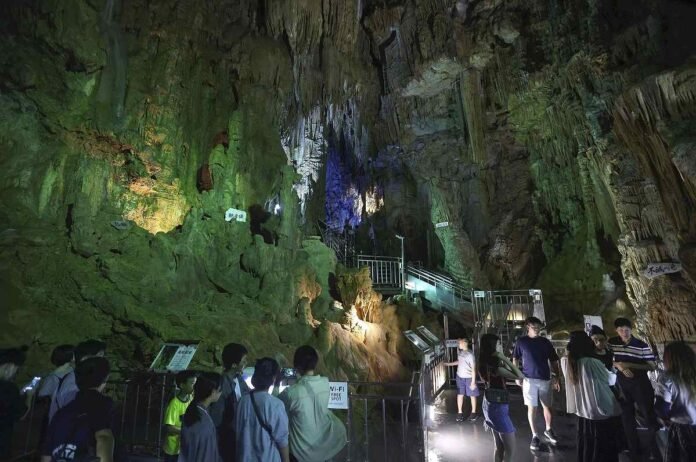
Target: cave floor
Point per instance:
(452, 441)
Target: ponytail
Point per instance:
(206, 384)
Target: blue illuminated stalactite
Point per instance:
(342, 196)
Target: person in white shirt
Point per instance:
(466, 380)
(676, 401)
(589, 396)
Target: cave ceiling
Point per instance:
(556, 138)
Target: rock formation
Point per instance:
(556, 139)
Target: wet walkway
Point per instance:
(452, 441)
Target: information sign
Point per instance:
(442, 224)
(592, 321)
(452, 343)
(236, 215)
(479, 294)
(419, 343)
(427, 335)
(338, 395)
(173, 357)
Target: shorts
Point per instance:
(535, 390)
(497, 417)
(463, 387)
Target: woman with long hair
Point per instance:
(198, 432)
(494, 368)
(676, 402)
(589, 396)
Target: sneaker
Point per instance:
(535, 445)
(473, 418)
(551, 436)
(460, 417)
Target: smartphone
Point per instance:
(31, 385)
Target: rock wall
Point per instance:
(556, 139)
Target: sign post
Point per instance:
(338, 395)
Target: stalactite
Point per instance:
(472, 92)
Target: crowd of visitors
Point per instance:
(220, 418)
(606, 385)
(210, 418)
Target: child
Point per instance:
(185, 381)
(198, 433)
(466, 380)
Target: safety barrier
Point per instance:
(385, 272)
(383, 420)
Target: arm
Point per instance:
(472, 385)
(453, 363)
(511, 370)
(105, 445)
(648, 366)
(555, 379)
(284, 454)
(172, 430)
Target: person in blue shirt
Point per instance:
(262, 422)
(633, 358)
(538, 356)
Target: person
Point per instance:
(62, 359)
(262, 423)
(66, 389)
(538, 385)
(316, 434)
(223, 412)
(676, 402)
(466, 379)
(185, 382)
(589, 396)
(198, 432)
(634, 358)
(83, 427)
(12, 405)
(602, 351)
(494, 368)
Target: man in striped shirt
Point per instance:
(634, 358)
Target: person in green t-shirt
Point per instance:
(316, 434)
(185, 381)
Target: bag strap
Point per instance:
(263, 424)
(60, 384)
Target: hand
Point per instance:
(622, 367)
(518, 382)
(472, 385)
(556, 383)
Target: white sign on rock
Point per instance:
(442, 224)
(592, 321)
(236, 215)
(338, 395)
(654, 270)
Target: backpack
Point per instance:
(231, 401)
(76, 447)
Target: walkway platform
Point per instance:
(453, 441)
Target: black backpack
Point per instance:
(76, 448)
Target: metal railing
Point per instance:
(385, 272)
(382, 414)
(382, 421)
